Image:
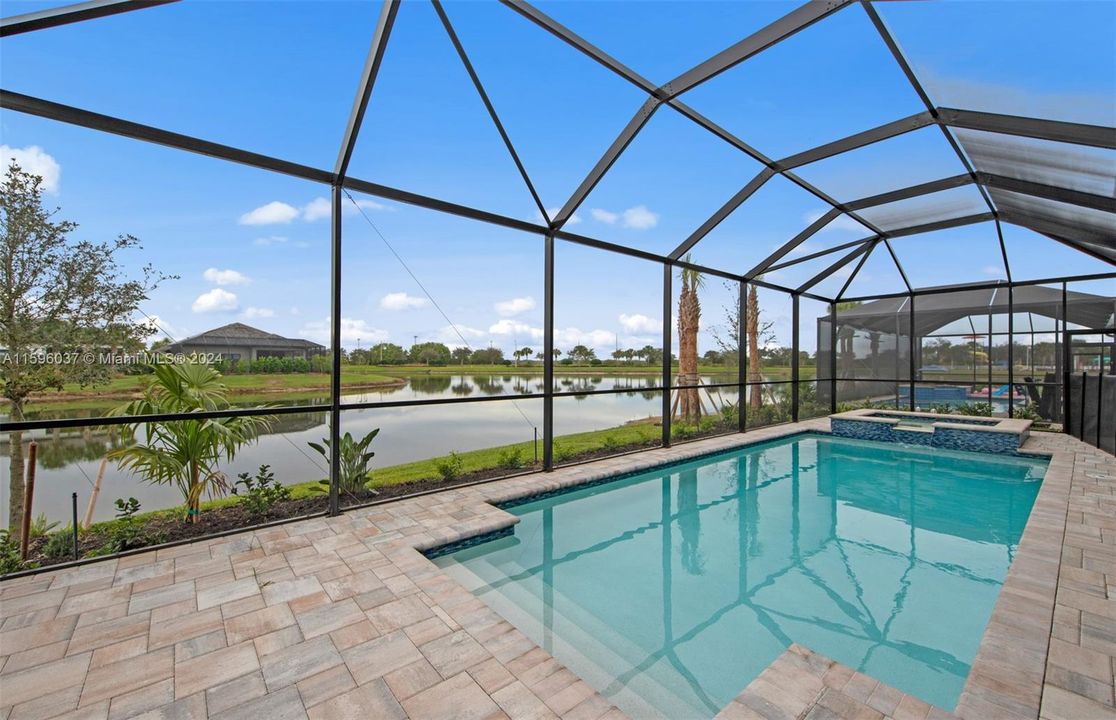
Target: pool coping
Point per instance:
(386, 542)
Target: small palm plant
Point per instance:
(185, 453)
(354, 457)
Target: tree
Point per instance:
(487, 356)
(617, 354)
(386, 353)
(522, 354)
(651, 355)
(61, 295)
(461, 354)
(689, 321)
(185, 453)
(430, 353)
(581, 354)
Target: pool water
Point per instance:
(670, 590)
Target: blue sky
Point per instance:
(279, 78)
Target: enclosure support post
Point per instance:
(335, 353)
(742, 357)
(794, 358)
(832, 358)
(548, 355)
(667, 270)
(1011, 351)
(912, 368)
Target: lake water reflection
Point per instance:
(69, 459)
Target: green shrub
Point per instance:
(354, 460)
(10, 561)
(610, 443)
(511, 458)
(40, 526)
(450, 468)
(561, 453)
(261, 492)
(59, 545)
(127, 532)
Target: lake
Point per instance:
(69, 459)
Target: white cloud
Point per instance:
(514, 328)
(515, 306)
(225, 277)
(33, 160)
(568, 337)
(994, 270)
(639, 218)
(216, 300)
(367, 205)
(252, 313)
(269, 241)
(402, 301)
(639, 323)
(274, 213)
(604, 216)
(352, 330)
(316, 209)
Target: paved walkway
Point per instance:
(343, 617)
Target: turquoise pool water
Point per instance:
(670, 590)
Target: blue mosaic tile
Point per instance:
(449, 548)
(986, 442)
(912, 437)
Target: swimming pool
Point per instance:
(670, 590)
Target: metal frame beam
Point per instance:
(53, 17)
(792, 244)
(908, 71)
(125, 128)
(488, 106)
(791, 23)
(1055, 130)
(571, 38)
(856, 270)
(858, 140)
(1049, 192)
(1054, 231)
(727, 209)
(820, 253)
(607, 161)
(388, 11)
(864, 247)
(941, 225)
(911, 191)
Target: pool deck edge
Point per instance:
(345, 617)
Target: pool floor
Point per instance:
(669, 591)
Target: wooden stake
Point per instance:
(93, 497)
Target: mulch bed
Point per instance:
(171, 528)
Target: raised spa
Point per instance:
(670, 590)
(951, 432)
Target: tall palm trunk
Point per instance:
(689, 318)
(754, 375)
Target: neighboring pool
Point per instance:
(883, 557)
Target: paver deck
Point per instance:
(343, 617)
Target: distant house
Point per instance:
(237, 341)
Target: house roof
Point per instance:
(241, 334)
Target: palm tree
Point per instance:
(185, 453)
(689, 320)
(753, 333)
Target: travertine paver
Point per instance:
(343, 617)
